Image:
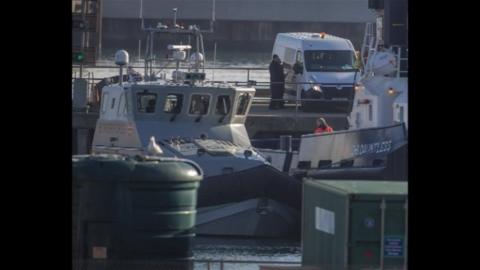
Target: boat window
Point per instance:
(122, 108)
(330, 60)
(128, 103)
(113, 103)
(199, 104)
(173, 103)
(104, 102)
(146, 102)
(223, 105)
(243, 101)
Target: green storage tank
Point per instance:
(125, 208)
(349, 224)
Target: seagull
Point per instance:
(153, 147)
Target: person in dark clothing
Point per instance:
(277, 83)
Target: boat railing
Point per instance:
(261, 97)
(248, 70)
(273, 143)
(247, 82)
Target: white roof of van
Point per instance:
(307, 36)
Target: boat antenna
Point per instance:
(175, 17)
(141, 14)
(212, 21)
(214, 59)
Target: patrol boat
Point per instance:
(376, 144)
(188, 117)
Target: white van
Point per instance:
(324, 70)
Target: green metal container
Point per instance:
(354, 224)
(126, 208)
(163, 198)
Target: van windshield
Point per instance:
(330, 60)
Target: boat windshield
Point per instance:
(223, 105)
(199, 104)
(243, 101)
(146, 102)
(173, 103)
(330, 60)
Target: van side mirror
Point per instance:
(298, 68)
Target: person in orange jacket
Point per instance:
(322, 126)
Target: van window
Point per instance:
(243, 101)
(331, 60)
(173, 103)
(146, 102)
(199, 104)
(289, 56)
(223, 105)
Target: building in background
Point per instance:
(86, 31)
(239, 24)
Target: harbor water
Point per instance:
(244, 254)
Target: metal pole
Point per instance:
(188, 52)
(177, 66)
(139, 48)
(399, 61)
(82, 42)
(146, 59)
(151, 54)
(405, 250)
(92, 84)
(213, 16)
(383, 206)
(197, 59)
(120, 80)
(214, 59)
(296, 103)
(347, 238)
(286, 143)
(203, 52)
(99, 28)
(296, 110)
(175, 17)
(248, 75)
